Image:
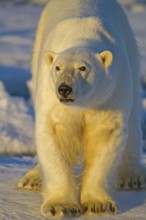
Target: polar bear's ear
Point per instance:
(49, 57)
(106, 57)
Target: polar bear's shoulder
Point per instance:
(81, 8)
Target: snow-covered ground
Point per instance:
(24, 205)
(17, 30)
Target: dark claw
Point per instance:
(79, 211)
(64, 210)
(32, 185)
(53, 211)
(85, 208)
(25, 183)
(112, 209)
(93, 209)
(73, 211)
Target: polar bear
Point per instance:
(85, 71)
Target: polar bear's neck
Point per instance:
(75, 32)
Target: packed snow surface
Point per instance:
(25, 205)
(18, 20)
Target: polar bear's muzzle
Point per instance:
(65, 93)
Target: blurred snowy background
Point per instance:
(18, 20)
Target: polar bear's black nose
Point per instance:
(64, 90)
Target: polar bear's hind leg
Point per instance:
(31, 181)
(131, 173)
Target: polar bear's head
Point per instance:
(79, 76)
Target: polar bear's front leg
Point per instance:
(59, 187)
(103, 148)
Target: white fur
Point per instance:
(102, 125)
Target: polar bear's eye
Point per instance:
(57, 68)
(82, 68)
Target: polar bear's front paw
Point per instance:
(97, 207)
(60, 210)
(30, 182)
(131, 178)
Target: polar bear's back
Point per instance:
(58, 10)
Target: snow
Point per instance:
(16, 115)
(134, 5)
(22, 205)
(16, 125)
(18, 20)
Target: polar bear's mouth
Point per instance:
(65, 100)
